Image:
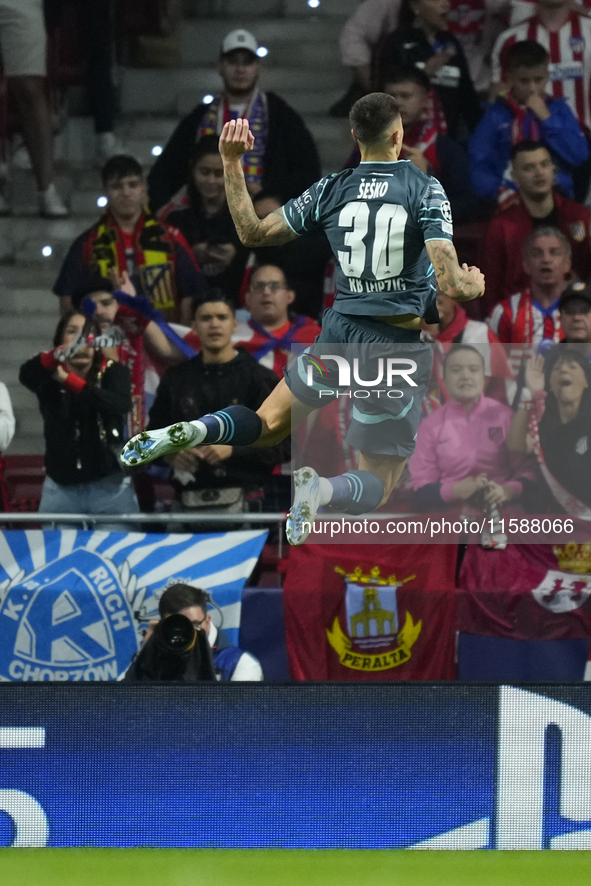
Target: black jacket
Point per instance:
(195, 388)
(83, 431)
(291, 160)
(409, 46)
(196, 227)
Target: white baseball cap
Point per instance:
(239, 39)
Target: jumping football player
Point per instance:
(390, 227)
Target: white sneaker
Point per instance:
(305, 506)
(149, 445)
(51, 204)
(107, 146)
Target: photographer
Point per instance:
(230, 662)
(84, 398)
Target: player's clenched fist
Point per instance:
(477, 277)
(236, 139)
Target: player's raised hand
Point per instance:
(236, 139)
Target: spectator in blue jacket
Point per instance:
(525, 113)
(430, 150)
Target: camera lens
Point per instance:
(178, 633)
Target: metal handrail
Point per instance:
(165, 517)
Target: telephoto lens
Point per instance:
(176, 652)
(177, 633)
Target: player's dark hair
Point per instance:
(90, 284)
(525, 54)
(214, 294)
(120, 166)
(407, 74)
(460, 347)
(371, 115)
(525, 147)
(181, 596)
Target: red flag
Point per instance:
(371, 612)
(526, 592)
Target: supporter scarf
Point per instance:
(571, 504)
(219, 112)
(283, 343)
(153, 256)
(525, 123)
(525, 126)
(523, 328)
(423, 136)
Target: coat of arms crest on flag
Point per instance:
(376, 637)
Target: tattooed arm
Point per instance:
(459, 282)
(235, 140)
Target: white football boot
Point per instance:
(150, 445)
(305, 506)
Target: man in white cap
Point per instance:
(284, 160)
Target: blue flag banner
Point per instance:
(72, 603)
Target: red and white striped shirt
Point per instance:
(521, 320)
(570, 59)
(521, 10)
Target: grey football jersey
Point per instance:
(378, 218)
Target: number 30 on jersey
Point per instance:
(387, 251)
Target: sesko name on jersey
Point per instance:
(371, 189)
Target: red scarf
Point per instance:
(523, 328)
(525, 123)
(423, 136)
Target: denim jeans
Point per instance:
(111, 495)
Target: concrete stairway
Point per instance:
(302, 66)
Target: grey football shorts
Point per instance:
(382, 370)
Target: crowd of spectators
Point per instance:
(166, 316)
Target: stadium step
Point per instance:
(297, 44)
(158, 91)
